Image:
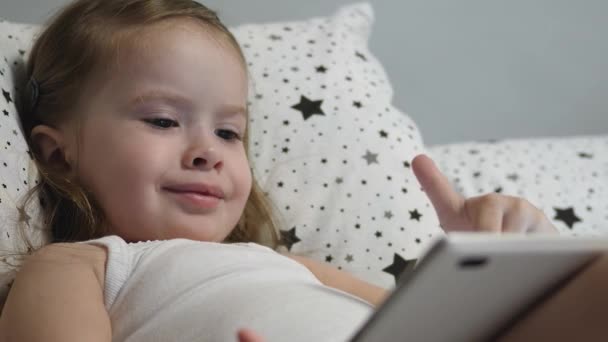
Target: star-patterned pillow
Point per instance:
(331, 150)
(567, 178)
(17, 172)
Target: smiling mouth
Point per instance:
(196, 199)
(201, 189)
(197, 193)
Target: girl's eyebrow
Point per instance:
(233, 110)
(157, 94)
(182, 101)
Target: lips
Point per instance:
(197, 188)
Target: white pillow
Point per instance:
(567, 178)
(17, 171)
(340, 179)
(329, 147)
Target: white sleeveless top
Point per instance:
(186, 290)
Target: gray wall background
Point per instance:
(464, 70)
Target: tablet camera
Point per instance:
(473, 262)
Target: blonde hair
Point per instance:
(76, 42)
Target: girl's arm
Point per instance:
(576, 311)
(58, 296)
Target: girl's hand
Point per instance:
(247, 335)
(487, 213)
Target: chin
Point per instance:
(195, 234)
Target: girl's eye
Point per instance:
(162, 123)
(227, 134)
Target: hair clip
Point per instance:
(34, 92)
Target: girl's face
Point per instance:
(160, 144)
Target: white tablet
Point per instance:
(469, 287)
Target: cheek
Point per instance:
(112, 164)
(244, 180)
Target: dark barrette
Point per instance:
(34, 88)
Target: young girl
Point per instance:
(136, 114)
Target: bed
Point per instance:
(333, 153)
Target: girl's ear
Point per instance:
(51, 143)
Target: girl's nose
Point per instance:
(204, 158)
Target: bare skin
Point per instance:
(248, 335)
(575, 312)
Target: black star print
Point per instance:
(5, 112)
(406, 164)
(309, 108)
(388, 214)
(289, 238)
(371, 157)
(275, 37)
(329, 258)
(513, 177)
(285, 150)
(415, 215)
(383, 134)
(7, 96)
(357, 104)
(321, 69)
(378, 234)
(399, 267)
(584, 155)
(567, 216)
(360, 55)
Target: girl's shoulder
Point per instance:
(68, 251)
(94, 256)
(61, 278)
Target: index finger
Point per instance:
(248, 335)
(447, 202)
